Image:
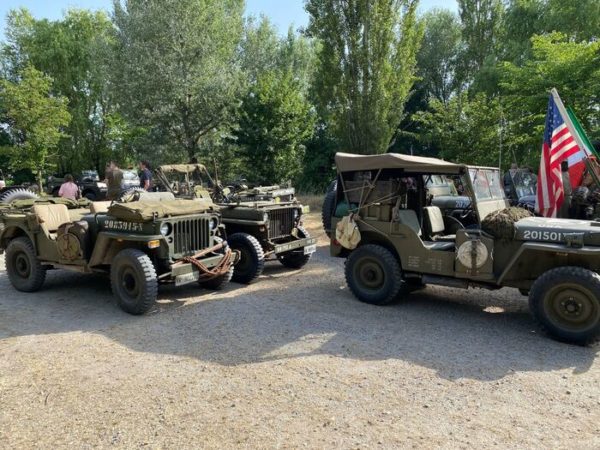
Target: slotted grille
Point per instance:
(281, 223)
(191, 235)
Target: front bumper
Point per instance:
(183, 273)
(294, 245)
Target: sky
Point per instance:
(283, 13)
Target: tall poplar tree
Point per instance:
(366, 67)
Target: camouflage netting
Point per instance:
(501, 224)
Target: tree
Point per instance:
(275, 122)
(176, 68)
(35, 120)
(438, 57)
(75, 52)
(465, 130)
(557, 62)
(481, 29)
(366, 67)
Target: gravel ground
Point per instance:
(291, 361)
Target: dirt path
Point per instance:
(290, 361)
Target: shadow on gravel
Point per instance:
(475, 335)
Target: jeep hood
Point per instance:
(542, 229)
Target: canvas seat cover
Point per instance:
(51, 217)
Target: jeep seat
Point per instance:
(435, 222)
(409, 218)
(51, 217)
(99, 207)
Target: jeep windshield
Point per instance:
(524, 183)
(488, 191)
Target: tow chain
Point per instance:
(220, 269)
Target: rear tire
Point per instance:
(296, 259)
(24, 269)
(566, 303)
(373, 275)
(252, 257)
(134, 281)
(91, 196)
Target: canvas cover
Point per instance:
(182, 168)
(144, 211)
(347, 162)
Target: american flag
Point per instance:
(559, 145)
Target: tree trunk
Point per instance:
(40, 181)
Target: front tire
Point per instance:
(134, 281)
(218, 283)
(296, 259)
(373, 275)
(252, 257)
(566, 303)
(24, 269)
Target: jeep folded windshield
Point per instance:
(486, 184)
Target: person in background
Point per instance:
(567, 189)
(114, 180)
(69, 189)
(145, 176)
(508, 178)
(533, 176)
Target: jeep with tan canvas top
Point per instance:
(395, 241)
(141, 244)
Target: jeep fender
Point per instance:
(12, 232)
(555, 250)
(108, 244)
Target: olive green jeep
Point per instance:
(140, 244)
(261, 222)
(395, 241)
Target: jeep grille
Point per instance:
(281, 222)
(190, 236)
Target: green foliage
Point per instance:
(572, 67)
(366, 67)
(465, 130)
(35, 120)
(438, 57)
(175, 68)
(75, 52)
(481, 29)
(275, 121)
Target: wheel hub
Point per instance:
(129, 283)
(370, 273)
(22, 265)
(572, 306)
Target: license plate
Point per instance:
(310, 249)
(187, 278)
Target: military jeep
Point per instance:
(140, 245)
(261, 222)
(395, 241)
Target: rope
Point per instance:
(220, 269)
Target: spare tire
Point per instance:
(18, 194)
(130, 195)
(329, 207)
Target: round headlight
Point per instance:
(214, 223)
(266, 218)
(165, 229)
(296, 214)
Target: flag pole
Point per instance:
(574, 133)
